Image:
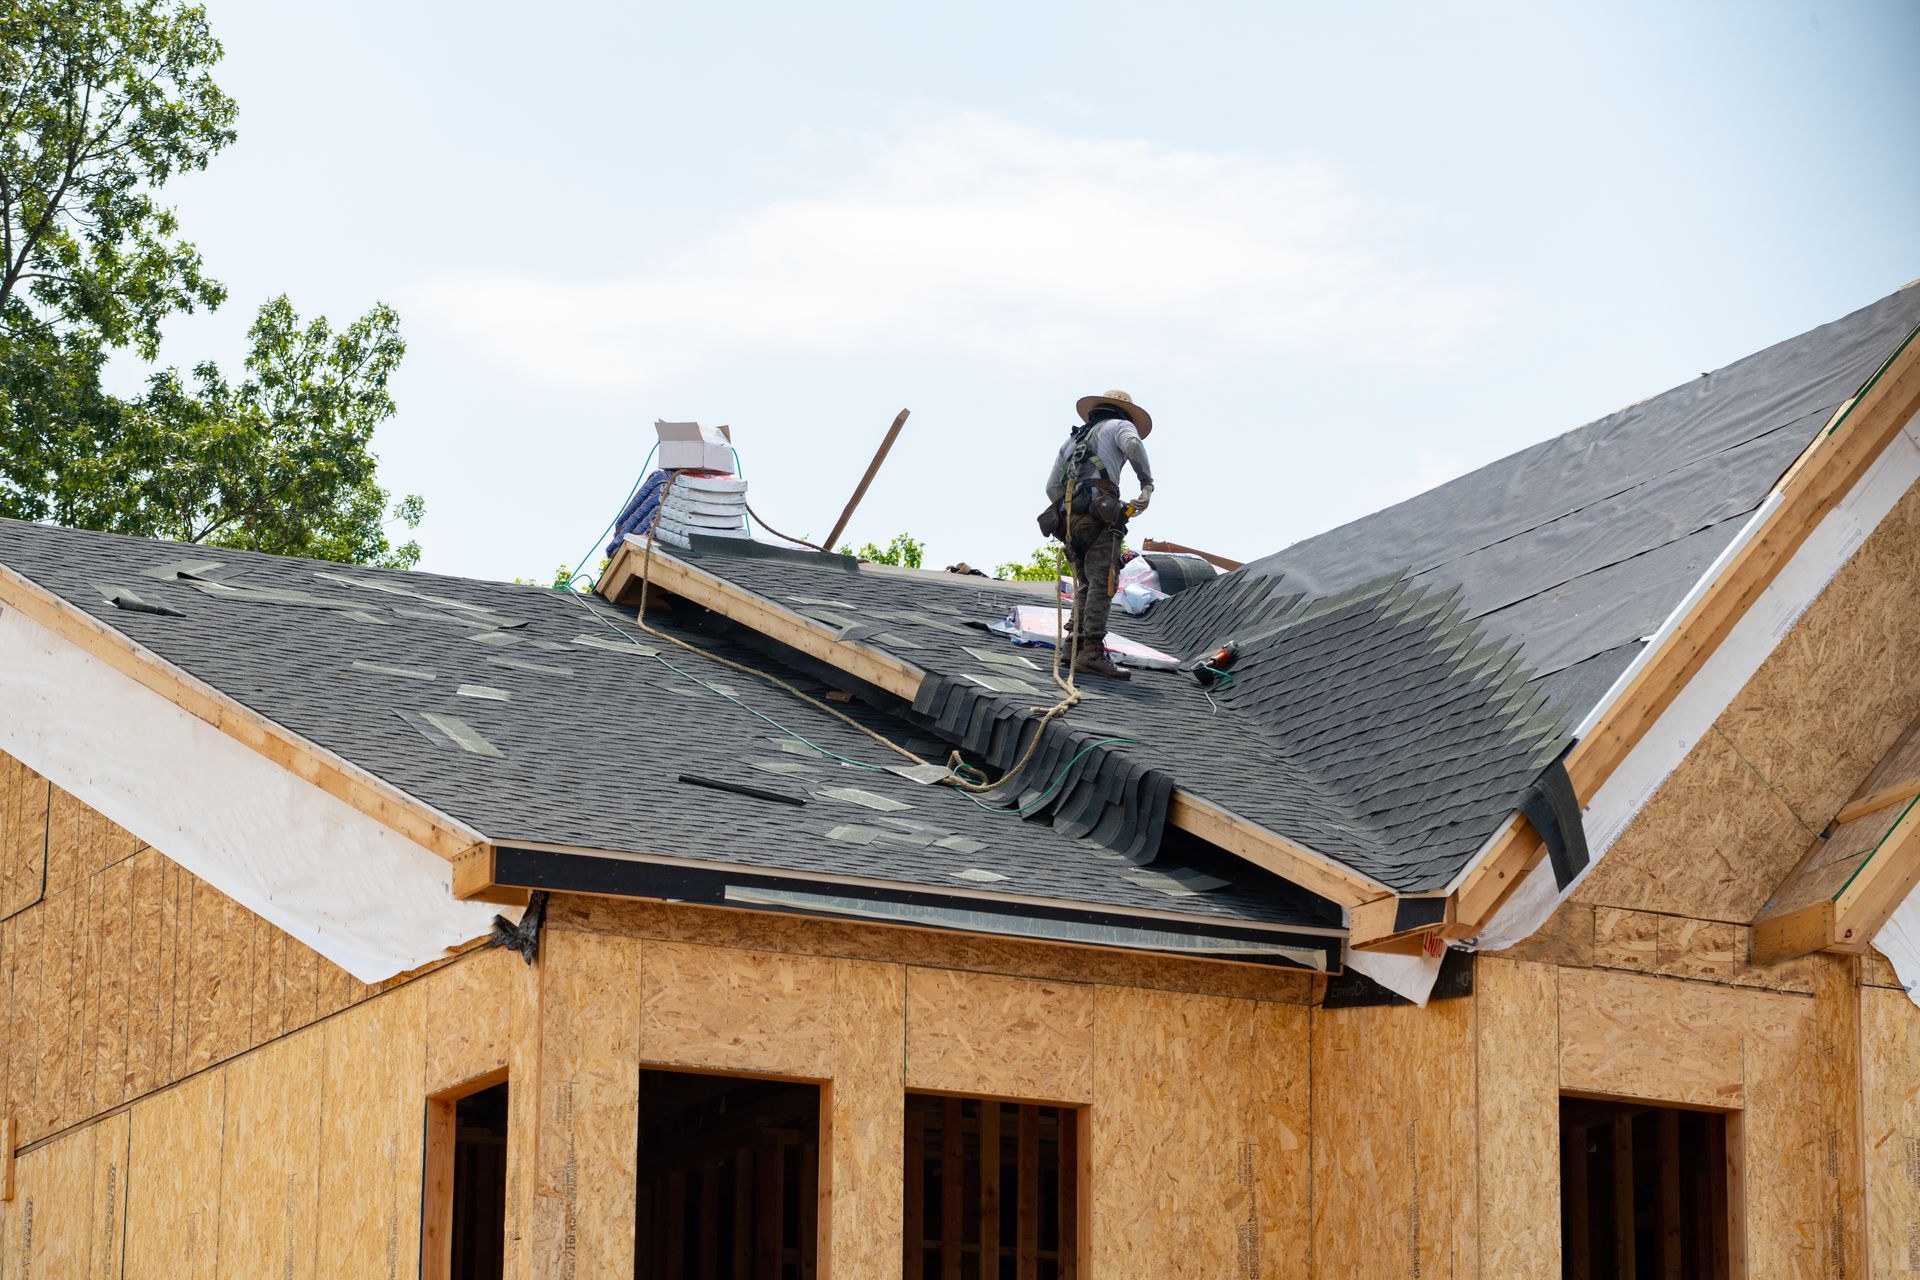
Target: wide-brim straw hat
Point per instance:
(1121, 401)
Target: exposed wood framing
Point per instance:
(1854, 877)
(473, 879)
(1186, 811)
(1859, 431)
(9, 1139)
(621, 584)
(379, 800)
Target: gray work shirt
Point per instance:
(1113, 440)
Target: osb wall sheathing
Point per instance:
(1890, 1068)
(128, 973)
(1198, 1141)
(1394, 1142)
(1796, 741)
(298, 1158)
(1787, 1064)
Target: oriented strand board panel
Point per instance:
(270, 1159)
(1803, 1202)
(470, 1022)
(1568, 937)
(1394, 1137)
(1198, 1137)
(1890, 1099)
(110, 930)
(1712, 843)
(588, 1104)
(371, 1135)
(1014, 1037)
(173, 1206)
(24, 800)
(1653, 1038)
(724, 1009)
(68, 1214)
(1519, 1123)
(865, 1115)
(1827, 704)
(754, 931)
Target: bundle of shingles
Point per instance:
(693, 491)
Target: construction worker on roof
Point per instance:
(1088, 468)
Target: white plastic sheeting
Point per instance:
(366, 898)
(1899, 941)
(1658, 753)
(1409, 976)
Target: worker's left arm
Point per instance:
(1134, 450)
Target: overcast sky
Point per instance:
(1341, 252)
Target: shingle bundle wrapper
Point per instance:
(713, 506)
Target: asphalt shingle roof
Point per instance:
(540, 717)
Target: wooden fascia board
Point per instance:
(1800, 932)
(346, 782)
(1860, 431)
(1267, 849)
(1881, 884)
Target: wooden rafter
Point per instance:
(339, 778)
(1826, 472)
(1189, 812)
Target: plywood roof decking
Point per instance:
(531, 716)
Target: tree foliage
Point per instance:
(1046, 564)
(905, 550)
(102, 103)
(278, 462)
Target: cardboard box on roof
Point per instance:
(690, 446)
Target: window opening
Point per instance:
(992, 1190)
(729, 1178)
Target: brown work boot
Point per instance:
(1099, 664)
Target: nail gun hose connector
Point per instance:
(1213, 668)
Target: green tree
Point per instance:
(278, 462)
(101, 102)
(905, 550)
(1047, 563)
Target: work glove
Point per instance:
(1139, 504)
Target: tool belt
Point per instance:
(1098, 497)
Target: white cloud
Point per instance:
(974, 237)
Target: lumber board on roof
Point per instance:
(1830, 467)
(377, 799)
(1286, 858)
(623, 581)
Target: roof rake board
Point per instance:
(385, 804)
